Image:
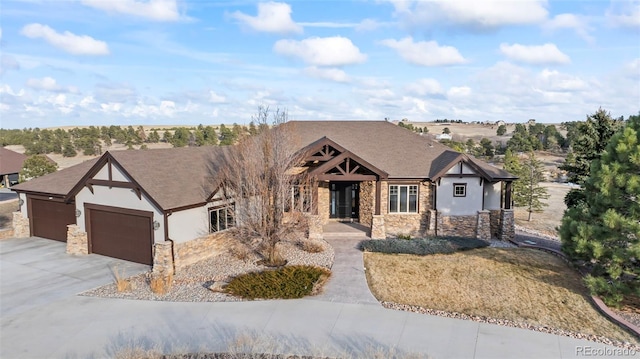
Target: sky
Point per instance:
(184, 62)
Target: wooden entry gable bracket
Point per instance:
(349, 172)
(324, 154)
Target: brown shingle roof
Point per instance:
(57, 183)
(10, 161)
(175, 177)
(393, 149)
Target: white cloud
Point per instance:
(272, 17)
(8, 62)
(579, 24)
(535, 54)
(478, 14)
(425, 53)
(331, 74)
(48, 84)
(624, 14)
(425, 87)
(215, 98)
(322, 51)
(556, 81)
(461, 91)
(71, 43)
(158, 10)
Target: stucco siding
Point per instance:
(118, 197)
(449, 205)
(103, 174)
(191, 223)
(23, 208)
(492, 193)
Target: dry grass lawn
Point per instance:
(6, 213)
(551, 216)
(522, 285)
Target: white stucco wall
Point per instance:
(190, 223)
(103, 174)
(118, 197)
(492, 193)
(449, 205)
(23, 207)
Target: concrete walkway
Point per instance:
(42, 318)
(347, 283)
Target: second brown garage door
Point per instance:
(120, 233)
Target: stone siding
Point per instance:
(315, 227)
(77, 241)
(377, 227)
(21, 227)
(507, 225)
(483, 228)
(324, 197)
(163, 264)
(457, 226)
(495, 223)
(367, 202)
(414, 224)
(198, 249)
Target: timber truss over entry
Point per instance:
(328, 161)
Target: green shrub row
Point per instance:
(440, 245)
(284, 283)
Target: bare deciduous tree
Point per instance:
(261, 175)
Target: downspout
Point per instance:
(166, 238)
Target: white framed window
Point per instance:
(403, 199)
(299, 199)
(221, 218)
(459, 189)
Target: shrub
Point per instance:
(403, 236)
(122, 284)
(284, 283)
(311, 246)
(423, 246)
(161, 284)
(240, 252)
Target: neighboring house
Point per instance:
(10, 166)
(443, 136)
(159, 207)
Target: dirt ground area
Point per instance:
(6, 210)
(551, 216)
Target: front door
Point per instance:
(344, 200)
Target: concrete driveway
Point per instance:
(36, 272)
(42, 317)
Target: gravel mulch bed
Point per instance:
(631, 317)
(191, 282)
(509, 323)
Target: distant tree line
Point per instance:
(90, 140)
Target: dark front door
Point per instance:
(345, 198)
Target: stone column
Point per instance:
(378, 230)
(163, 258)
(483, 229)
(315, 226)
(77, 242)
(431, 226)
(507, 225)
(21, 227)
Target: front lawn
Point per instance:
(521, 285)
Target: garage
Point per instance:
(49, 218)
(120, 233)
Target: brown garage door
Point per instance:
(120, 233)
(49, 219)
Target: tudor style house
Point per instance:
(160, 207)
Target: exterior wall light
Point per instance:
(156, 225)
(20, 202)
(78, 213)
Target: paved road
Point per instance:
(532, 239)
(6, 194)
(43, 318)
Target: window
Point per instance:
(459, 189)
(403, 199)
(221, 218)
(298, 200)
